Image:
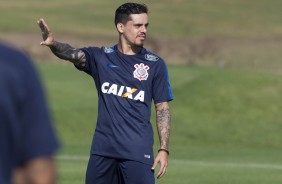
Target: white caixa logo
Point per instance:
(123, 91)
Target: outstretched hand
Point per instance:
(48, 39)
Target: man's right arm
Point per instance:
(61, 50)
(67, 52)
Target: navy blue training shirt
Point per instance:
(25, 125)
(126, 85)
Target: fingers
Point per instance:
(43, 43)
(48, 39)
(43, 26)
(162, 171)
(163, 165)
(155, 164)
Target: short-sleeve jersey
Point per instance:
(126, 86)
(25, 125)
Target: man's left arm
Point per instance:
(163, 121)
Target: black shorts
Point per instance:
(105, 170)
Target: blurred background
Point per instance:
(224, 61)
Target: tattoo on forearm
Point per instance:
(163, 125)
(67, 52)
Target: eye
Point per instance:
(137, 25)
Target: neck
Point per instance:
(128, 49)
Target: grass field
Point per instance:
(193, 18)
(227, 33)
(226, 114)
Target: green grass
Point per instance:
(225, 124)
(242, 34)
(190, 171)
(178, 18)
(232, 102)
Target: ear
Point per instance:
(120, 27)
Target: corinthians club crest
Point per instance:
(141, 71)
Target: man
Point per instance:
(27, 139)
(127, 78)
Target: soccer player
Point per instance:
(27, 139)
(127, 77)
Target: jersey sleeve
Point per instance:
(161, 85)
(91, 53)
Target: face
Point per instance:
(135, 30)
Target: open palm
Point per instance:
(48, 38)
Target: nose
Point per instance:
(144, 29)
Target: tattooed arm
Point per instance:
(163, 126)
(67, 52)
(61, 50)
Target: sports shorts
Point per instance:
(105, 170)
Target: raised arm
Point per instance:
(61, 50)
(163, 127)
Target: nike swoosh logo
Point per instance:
(110, 65)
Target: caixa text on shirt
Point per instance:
(123, 91)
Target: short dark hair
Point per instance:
(125, 10)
